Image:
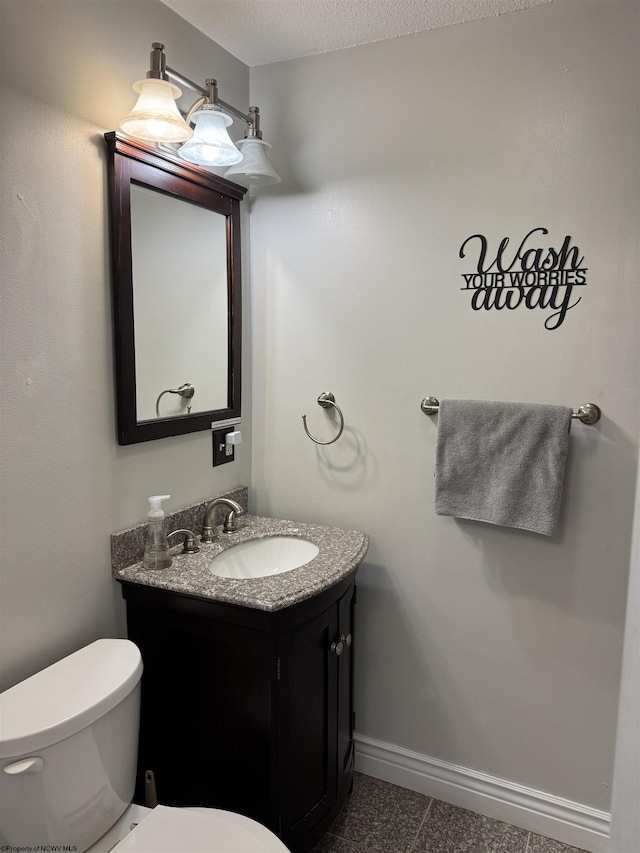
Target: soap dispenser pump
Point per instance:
(156, 547)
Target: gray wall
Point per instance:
(67, 71)
(488, 648)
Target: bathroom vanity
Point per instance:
(247, 691)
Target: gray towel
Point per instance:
(502, 462)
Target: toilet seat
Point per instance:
(198, 830)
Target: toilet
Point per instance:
(68, 753)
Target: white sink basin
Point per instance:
(259, 558)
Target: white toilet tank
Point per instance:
(68, 748)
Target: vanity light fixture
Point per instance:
(255, 167)
(156, 118)
(210, 144)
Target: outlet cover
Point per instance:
(220, 456)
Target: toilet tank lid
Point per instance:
(67, 696)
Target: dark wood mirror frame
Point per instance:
(131, 161)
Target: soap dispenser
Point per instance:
(156, 547)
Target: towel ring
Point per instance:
(326, 399)
(589, 413)
(187, 391)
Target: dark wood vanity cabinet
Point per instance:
(248, 710)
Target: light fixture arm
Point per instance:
(157, 62)
(159, 70)
(253, 122)
(209, 95)
(184, 82)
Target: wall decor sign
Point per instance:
(533, 277)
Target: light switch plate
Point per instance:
(220, 447)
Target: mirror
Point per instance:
(175, 250)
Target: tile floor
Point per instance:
(383, 818)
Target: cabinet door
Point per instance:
(206, 712)
(307, 697)
(345, 706)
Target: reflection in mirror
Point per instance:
(175, 250)
(181, 327)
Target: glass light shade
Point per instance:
(255, 167)
(155, 117)
(210, 144)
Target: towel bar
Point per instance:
(588, 414)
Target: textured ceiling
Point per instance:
(259, 32)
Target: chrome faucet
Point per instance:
(208, 532)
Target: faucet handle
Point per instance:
(190, 544)
(230, 522)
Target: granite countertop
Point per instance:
(340, 552)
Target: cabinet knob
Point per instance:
(338, 647)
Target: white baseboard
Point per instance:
(571, 823)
